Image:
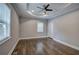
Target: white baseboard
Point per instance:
(10, 52)
(64, 43)
(32, 37)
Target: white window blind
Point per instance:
(4, 22)
(40, 27)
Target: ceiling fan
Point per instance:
(45, 7)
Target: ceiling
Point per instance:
(30, 10)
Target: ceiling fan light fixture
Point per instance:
(44, 14)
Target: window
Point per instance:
(4, 22)
(40, 26)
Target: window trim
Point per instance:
(8, 37)
(5, 39)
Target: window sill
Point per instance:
(4, 40)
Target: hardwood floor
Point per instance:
(42, 46)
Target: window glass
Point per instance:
(4, 21)
(40, 26)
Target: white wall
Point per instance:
(65, 28)
(28, 28)
(7, 46)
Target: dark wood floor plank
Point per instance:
(42, 46)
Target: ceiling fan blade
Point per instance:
(47, 6)
(49, 10)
